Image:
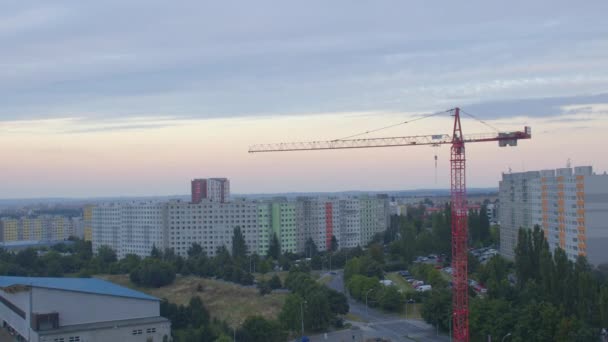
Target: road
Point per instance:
(380, 324)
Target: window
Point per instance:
(150, 330)
(59, 339)
(137, 332)
(74, 339)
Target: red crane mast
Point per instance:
(460, 297)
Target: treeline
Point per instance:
(542, 296)
(417, 233)
(320, 305)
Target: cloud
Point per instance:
(210, 60)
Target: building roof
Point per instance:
(86, 285)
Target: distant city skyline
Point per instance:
(106, 99)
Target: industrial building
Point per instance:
(569, 204)
(78, 310)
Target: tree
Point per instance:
(318, 315)
(239, 247)
(290, 316)
(338, 303)
(310, 248)
(390, 298)
(195, 250)
(334, 243)
(377, 253)
(437, 307)
(275, 282)
(153, 273)
(156, 253)
(199, 315)
(259, 329)
(274, 248)
(106, 254)
(129, 263)
(27, 258)
(603, 304)
(484, 224)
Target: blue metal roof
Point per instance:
(87, 285)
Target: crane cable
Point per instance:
(478, 119)
(394, 125)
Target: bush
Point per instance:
(275, 282)
(264, 288)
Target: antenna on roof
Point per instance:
(568, 163)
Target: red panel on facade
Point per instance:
(199, 190)
(329, 224)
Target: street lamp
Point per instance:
(366, 306)
(503, 338)
(302, 314)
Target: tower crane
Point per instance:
(457, 140)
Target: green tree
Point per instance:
(156, 253)
(390, 299)
(199, 315)
(274, 248)
(129, 263)
(310, 248)
(259, 329)
(153, 273)
(334, 243)
(603, 304)
(493, 317)
(436, 309)
(195, 250)
(537, 322)
(484, 225)
(318, 314)
(338, 303)
(290, 316)
(275, 282)
(376, 252)
(239, 247)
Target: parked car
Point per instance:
(424, 288)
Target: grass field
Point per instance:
(225, 300)
(400, 282)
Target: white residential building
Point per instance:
(130, 228)
(569, 204)
(211, 225)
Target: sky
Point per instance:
(133, 98)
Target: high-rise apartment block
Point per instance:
(130, 228)
(138, 227)
(40, 228)
(213, 189)
(569, 204)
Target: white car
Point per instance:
(424, 288)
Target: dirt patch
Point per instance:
(226, 301)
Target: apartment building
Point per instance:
(211, 225)
(209, 220)
(41, 228)
(569, 204)
(277, 217)
(129, 228)
(213, 189)
(353, 221)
